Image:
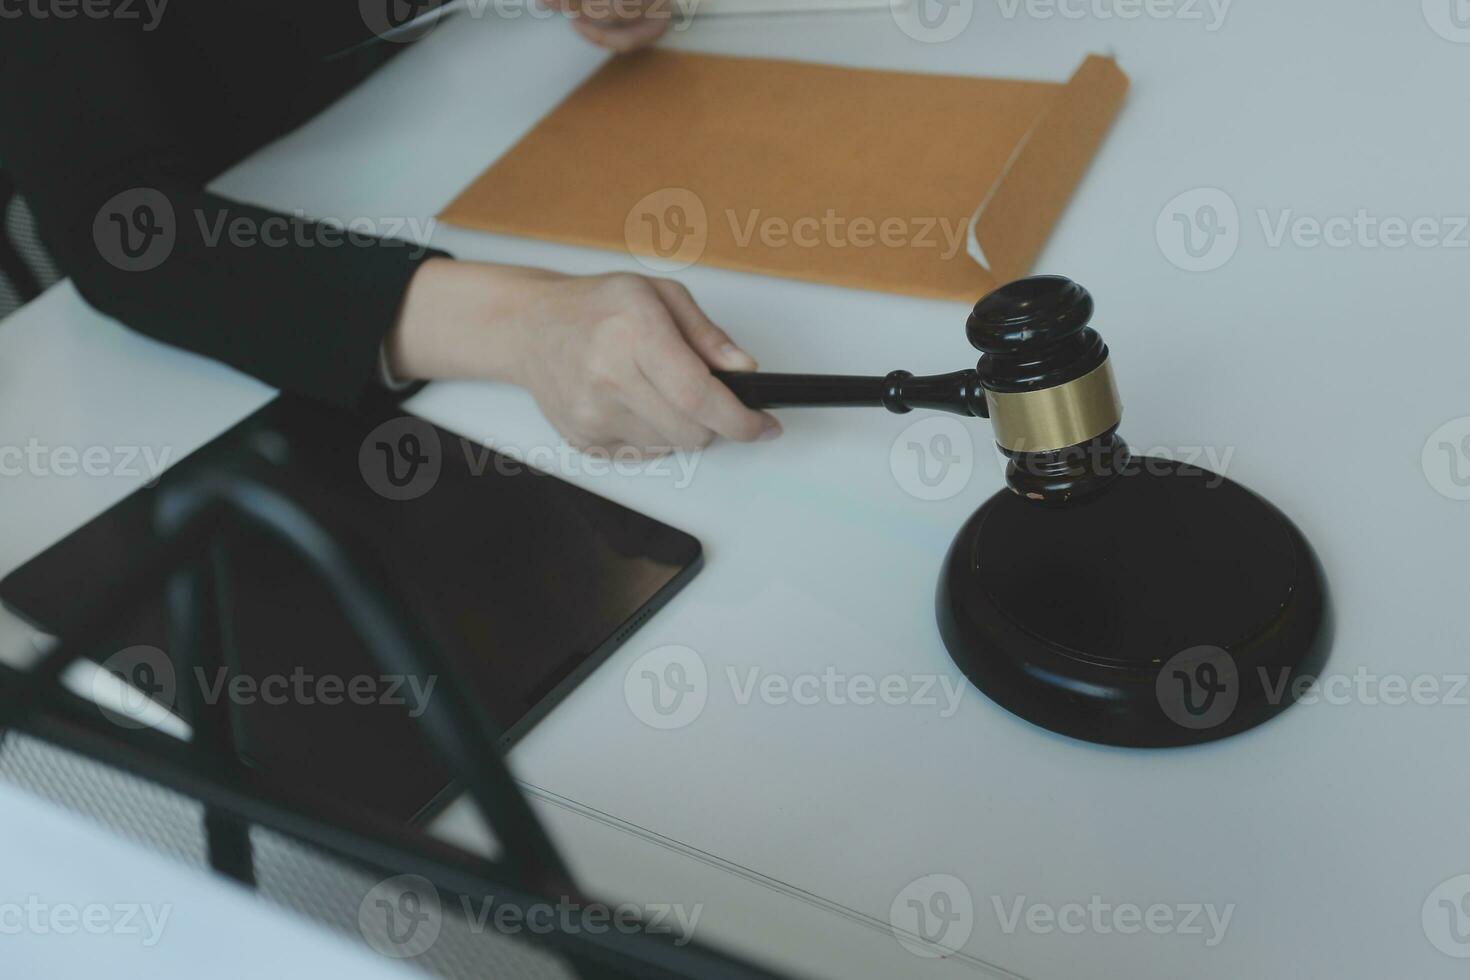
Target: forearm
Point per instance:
(299, 305)
(462, 320)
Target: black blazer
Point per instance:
(108, 125)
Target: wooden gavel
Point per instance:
(1151, 614)
(1043, 379)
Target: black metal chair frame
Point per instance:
(196, 519)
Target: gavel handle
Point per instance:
(897, 391)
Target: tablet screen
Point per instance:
(525, 582)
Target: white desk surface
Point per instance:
(1324, 370)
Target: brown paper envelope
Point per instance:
(882, 180)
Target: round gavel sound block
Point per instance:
(1124, 600)
(1177, 607)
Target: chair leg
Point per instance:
(12, 267)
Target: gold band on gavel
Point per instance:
(1054, 418)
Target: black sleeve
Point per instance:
(93, 141)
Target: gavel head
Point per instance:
(1048, 388)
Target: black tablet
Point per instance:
(526, 581)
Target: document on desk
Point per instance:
(927, 185)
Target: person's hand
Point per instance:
(614, 360)
(620, 25)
